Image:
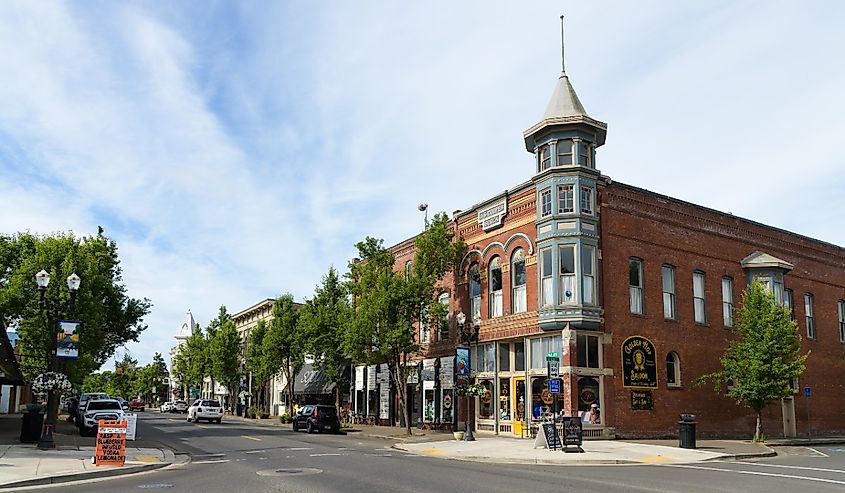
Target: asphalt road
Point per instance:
(238, 457)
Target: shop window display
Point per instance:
(485, 402)
(543, 401)
(519, 400)
(447, 406)
(504, 400)
(588, 394)
(429, 406)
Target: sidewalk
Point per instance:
(508, 449)
(24, 464)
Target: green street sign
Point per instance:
(552, 356)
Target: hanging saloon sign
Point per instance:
(639, 363)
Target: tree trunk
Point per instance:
(758, 432)
(402, 389)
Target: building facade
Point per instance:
(635, 293)
(186, 329)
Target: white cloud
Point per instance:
(235, 155)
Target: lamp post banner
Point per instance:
(462, 362)
(67, 339)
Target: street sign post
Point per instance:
(553, 367)
(554, 385)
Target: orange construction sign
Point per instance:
(111, 443)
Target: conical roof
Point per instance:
(187, 328)
(564, 101)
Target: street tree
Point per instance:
(192, 363)
(387, 306)
(763, 360)
(258, 365)
(283, 345)
(109, 318)
(225, 352)
(323, 320)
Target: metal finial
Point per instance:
(562, 51)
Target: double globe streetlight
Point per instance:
(42, 280)
(468, 336)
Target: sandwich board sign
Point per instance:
(111, 443)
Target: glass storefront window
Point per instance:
(588, 393)
(543, 401)
(485, 402)
(519, 356)
(429, 406)
(519, 400)
(447, 406)
(504, 400)
(504, 357)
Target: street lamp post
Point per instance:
(467, 336)
(42, 280)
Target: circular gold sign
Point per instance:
(547, 396)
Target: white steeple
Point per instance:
(189, 326)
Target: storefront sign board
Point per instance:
(639, 363)
(111, 443)
(641, 400)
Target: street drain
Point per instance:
(290, 471)
(155, 486)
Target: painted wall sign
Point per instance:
(639, 363)
(492, 217)
(641, 400)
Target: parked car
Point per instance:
(137, 404)
(123, 403)
(83, 402)
(180, 406)
(317, 417)
(99, 409)
(206, 409)
(166, 407)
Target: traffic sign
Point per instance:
(554, 385)
(807, 392)
(554, 369)
(552, 356)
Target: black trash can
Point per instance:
(686, 431)
(32, 421)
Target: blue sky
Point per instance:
(236, 150)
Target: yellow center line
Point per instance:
(251, 438)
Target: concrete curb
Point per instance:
(82, 476)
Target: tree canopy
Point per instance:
(109, 318)
(759, 366)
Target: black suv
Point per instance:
(317, 417)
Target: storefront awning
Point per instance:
(310, 380)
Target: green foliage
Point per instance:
(225, 357)
(765, 357)
(283, 345)
(109, 317)
(387, 305)
(322, 321)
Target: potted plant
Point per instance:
(286, 418)
(251, 412)
(263, 415)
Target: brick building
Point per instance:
(614, 279)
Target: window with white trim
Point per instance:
(668, 292)
(840, 306)
(518, 281)
(808, 316)
(587, 200)
(789, 302)
(588, 272)
(565, 199)
(494, 282)
(409, 269)
(443, 323)
(475, 292)
(728, 301)
(635, 285)
(699, 307)
(540, 346)
(567, 273)
(673, 370)
(564, 152)
(545, 157)
(546, 203)
(547, 274)
(584, 153)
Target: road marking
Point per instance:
(655, 459)
(433, 451)
(816, 451)
(210, 455)
(818, 469)
(255, 451)
(250, 438)
(324, 455)
(756, 473)
(218, 461)
(147, 458)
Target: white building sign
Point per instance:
(492, 217)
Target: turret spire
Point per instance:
(562, 49)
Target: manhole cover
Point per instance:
(290, 471)
(154, 486)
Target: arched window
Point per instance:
(495, 283)
(443, 323)
(518, 302)
(474, 292)
(673, 370)
(409, 269)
